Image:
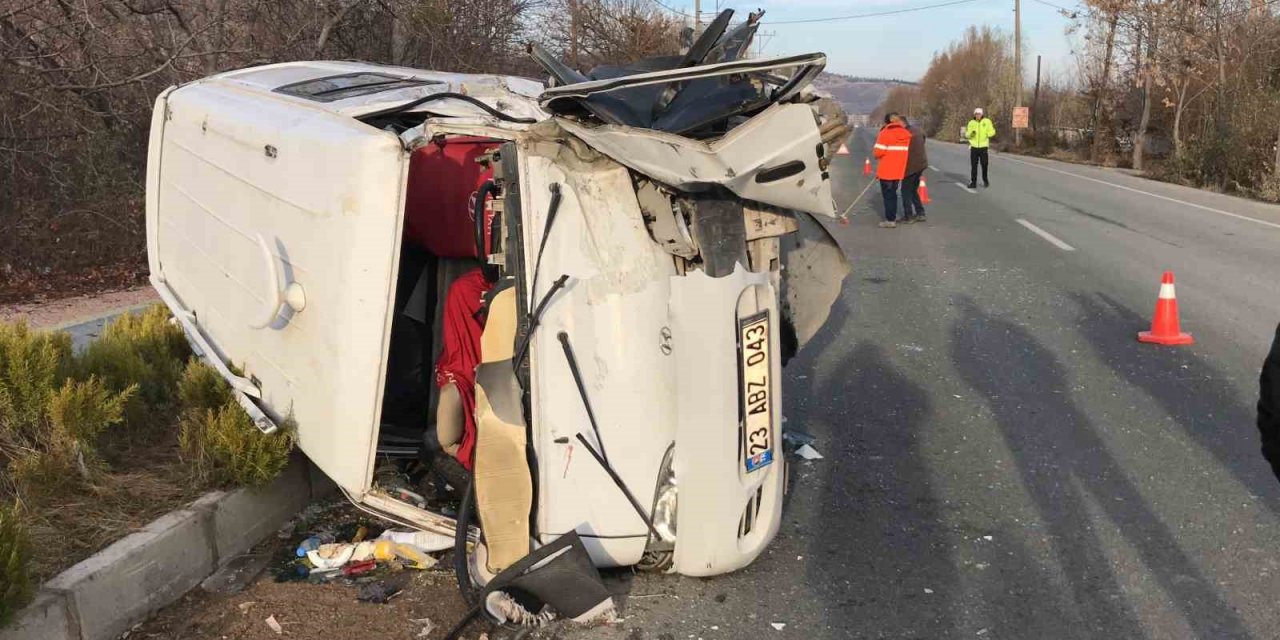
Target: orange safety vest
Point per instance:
(891, 150)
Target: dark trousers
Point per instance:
(912, 207)
(975, 156)
(1269, 406)
(889, 190)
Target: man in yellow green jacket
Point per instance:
(979, 133)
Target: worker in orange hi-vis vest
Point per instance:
(891, 151)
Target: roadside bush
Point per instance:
(32, 366)
(145, 350)
(50, 424)
(219, 443)
(15, 577)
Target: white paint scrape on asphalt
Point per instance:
(1049, 237)
(965, 187)
(1220, 212)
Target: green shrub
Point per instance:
(202, 388)
(32, 367)
(15, 578)
(50, 424)
(218, 440)
(64, 451)
(145, 350)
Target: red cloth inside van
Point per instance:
(460, 354)
(439, 206)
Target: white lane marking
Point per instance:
(933, 167)
(965, 187)
(1046, 235)
(1264, 223)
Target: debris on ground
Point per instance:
(380, 592)
(808, 453)
(275, 626)
(778, 626)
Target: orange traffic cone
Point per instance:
(843, 151)
(924, 191)
(866, 167)
(1165, 328)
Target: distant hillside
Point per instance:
(858, 95)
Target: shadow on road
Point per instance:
(1065, 467)
(1190, 389)
(881, 543)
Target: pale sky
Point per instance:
(900, 46)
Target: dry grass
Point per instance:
(74, 525)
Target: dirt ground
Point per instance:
(428, 606)
(314, 611)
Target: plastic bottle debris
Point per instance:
(425, 540)
(413, 557)
(427, 626)
(312, 543)
(357, 568)
(275, 626)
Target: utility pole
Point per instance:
(1017, 63)
(1035, 100)
(697, 18)
(573, 33)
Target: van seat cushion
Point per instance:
(443, 180)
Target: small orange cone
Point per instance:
(924, 191)
(1165, 328)
(843, 151)
(866, 167)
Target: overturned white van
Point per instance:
(617, 267)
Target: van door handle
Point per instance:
(293, 295)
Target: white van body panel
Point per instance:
(325, 193)
(781, 134)
(614, 309)
(715, 488)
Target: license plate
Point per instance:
(757, 391)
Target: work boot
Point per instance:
(888, 224)
(922, 218)
(910, 219)
(986, 184)
(973, 185)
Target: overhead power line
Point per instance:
(1073, 12)
(678, 12)
(871, 15)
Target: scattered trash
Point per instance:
(331, 556)
(928, 590)
(425, 540)
(427, 626)
(311, 544)
(983, 631)
(987, 538)
(779, 626)
(379, 592)
(245, 606)
(275, 626)
(808, 453)
(413, 557)
(797, 438)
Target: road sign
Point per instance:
(1021, 117)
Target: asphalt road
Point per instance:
(1003, 458)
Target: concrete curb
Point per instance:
(103, 596)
